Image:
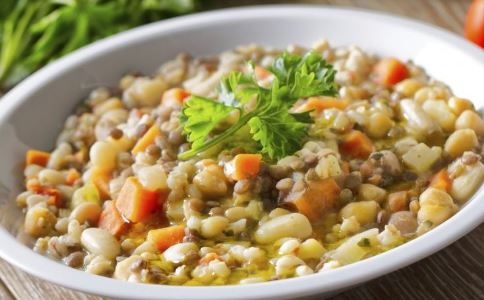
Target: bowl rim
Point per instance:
(24, 258)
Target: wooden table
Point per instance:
(456, 272)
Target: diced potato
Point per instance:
(460, 141)
(466, 184)
(419, 122)
(368, 192)
(310, 249)
(472, 120)
(420, 157)
(440, 112)
(356, 247)
(365, 212)
(404, 144)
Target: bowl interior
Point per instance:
(33, 114)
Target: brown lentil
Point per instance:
(75, 259)
(153, 150)
(116, 133)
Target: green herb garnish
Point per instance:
(276, 130)
(364, 242)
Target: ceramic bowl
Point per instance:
(32, 114)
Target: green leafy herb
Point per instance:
(276, 130)
(364, 242)
(35, 32)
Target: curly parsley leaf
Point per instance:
(304, 76)
(276, 130)
(200, 116)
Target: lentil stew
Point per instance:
(383, 154)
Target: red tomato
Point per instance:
(474, 26)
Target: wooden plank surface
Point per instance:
(456, 272)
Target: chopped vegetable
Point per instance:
(72, 176)
(101, 179)
(36, 157)
(148, 139)
(353, 249)
(420, 157)
(175, 97)
(319, 104)
(441, 180)
(277, 131)
(136, 203)
(54, 196)
(474, 25)
(390, 71)
(316, 200)
(87, 193)
(246, 166)
(111, 220)
(164, 238)
(356, 144)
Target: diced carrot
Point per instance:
(356, 144)
(111, 220)
(261, 73)
(316, 200)
(441, 180)
(175, 97)
(389, 71)
(246, 166)
(72, 176)
(147, 139)
(34, 186)
(101, 179)
(135, 202)
(54, 194)
(36, 157)
(345, 167)
(319, 104)
(208, 258)
(164, 238)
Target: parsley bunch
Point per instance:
(276, 131)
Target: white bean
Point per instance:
(178, 253)
(103, 155)
(123, 268)
(468, 182)
(293, 225)
(50, 177)
(39, 221)
(86, 212)
(99, 241)
(213, 226)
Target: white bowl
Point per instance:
(32, 114)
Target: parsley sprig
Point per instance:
(277, 131)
